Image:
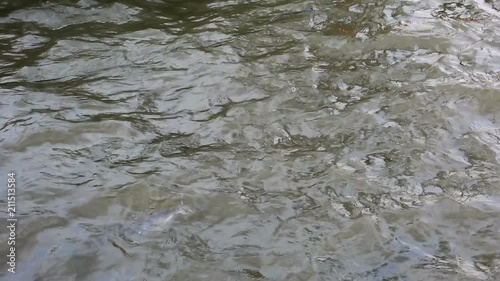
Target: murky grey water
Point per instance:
(356, 141)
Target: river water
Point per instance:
(315, 140)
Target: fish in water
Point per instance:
(152, 224)
(135, 232)
(159, 221)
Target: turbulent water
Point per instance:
(316, 140)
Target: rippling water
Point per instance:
(359, 140)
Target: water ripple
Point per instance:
(318, 140)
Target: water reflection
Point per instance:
(356, 141)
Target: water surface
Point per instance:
(356, 141)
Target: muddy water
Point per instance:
(316, 140)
